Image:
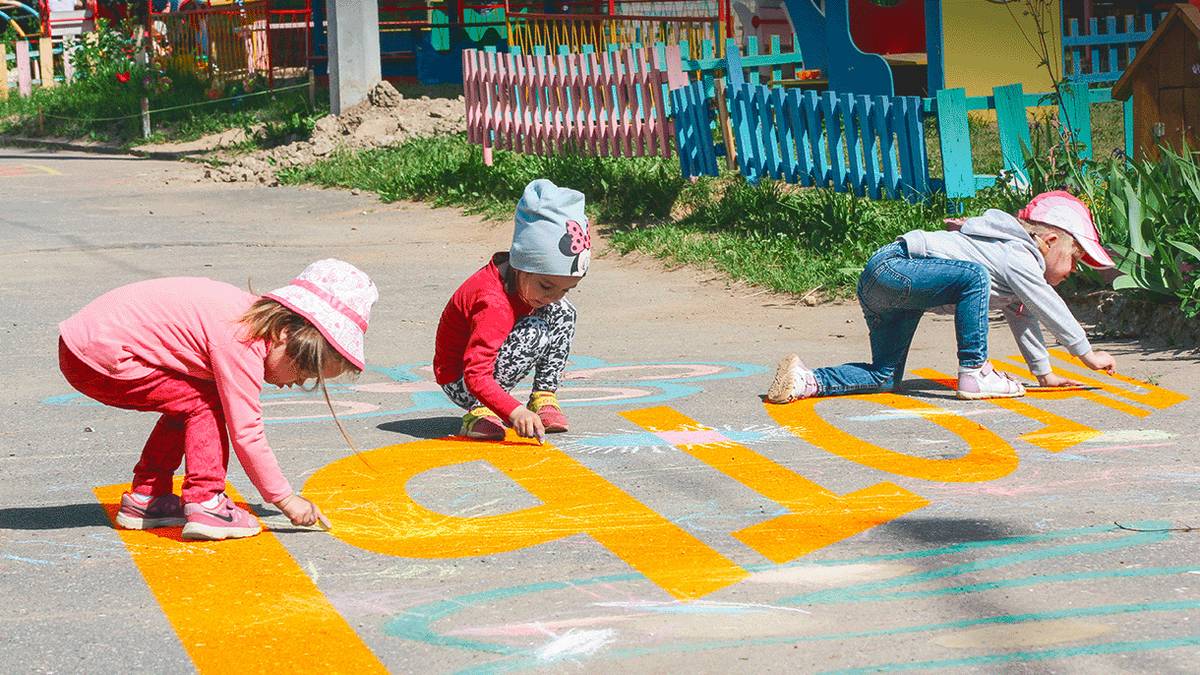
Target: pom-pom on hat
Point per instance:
(1064, 211)
(336, 297)
(550, 234)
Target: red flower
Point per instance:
(122, 77)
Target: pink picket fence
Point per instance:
(611, 104)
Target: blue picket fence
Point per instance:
(693, 118)
(1098, 51)
(868, 145)
(871, 145)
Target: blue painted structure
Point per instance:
(1100, 54)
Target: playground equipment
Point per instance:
(227, 41)
(423, 41)
(599, 24)
(61, 18)
(24, 20)
(916, 46)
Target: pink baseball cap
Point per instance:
(1064, 211)
(336, 297)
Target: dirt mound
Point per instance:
(385, 118)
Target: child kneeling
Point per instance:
(994, 260)
(512, 317)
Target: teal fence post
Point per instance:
(958, 172)
(1013, 124)
(1127, 109)
(1075, 114)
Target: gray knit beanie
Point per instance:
(551, 235)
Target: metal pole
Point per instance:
(145, 117)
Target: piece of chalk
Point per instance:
(323, 524)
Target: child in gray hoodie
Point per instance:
(994, 260)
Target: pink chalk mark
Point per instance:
(698, 437)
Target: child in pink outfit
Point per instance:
(198, 351)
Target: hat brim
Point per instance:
(327, 320)
(1094, 255)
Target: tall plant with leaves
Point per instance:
(1155, 228)
(1056, 158)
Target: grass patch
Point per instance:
(81, 109)
(770, 234)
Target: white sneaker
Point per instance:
(793, 381)
(986, 382)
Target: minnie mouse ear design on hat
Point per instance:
(1064, 211)
(550, 233)
(336, 297)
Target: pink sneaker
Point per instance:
(545, 404)
(793, 381)
(482, 424)
(223, 521)
(161, 511)
(987, 383)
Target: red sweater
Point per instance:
(474, 325)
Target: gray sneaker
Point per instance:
(793, 381)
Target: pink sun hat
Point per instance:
(1064, 211)
(336, 297)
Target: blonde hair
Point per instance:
(308, 349)
(1039, 229)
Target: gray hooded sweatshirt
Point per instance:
(997, 241)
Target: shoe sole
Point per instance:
(557, 429)
(202, 532)
(132, 523)
(980, 396)
(784, 382)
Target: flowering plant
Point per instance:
(115, 57)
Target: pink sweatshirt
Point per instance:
(188, 325)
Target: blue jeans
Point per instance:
(894, 291)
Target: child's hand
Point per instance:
(1056, 380)
(1100, 361)
(527, 423)
(301, 511)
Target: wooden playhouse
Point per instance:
(1164, 81)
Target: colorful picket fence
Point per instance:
(610, 104)
(693, 117)
(1011, 105)
(40, 62)
(552, 31)
(1098, 51)
(868, 145)
(222, 42)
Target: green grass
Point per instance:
(770, 234)
(77, 111)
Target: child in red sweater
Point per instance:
(512, 317)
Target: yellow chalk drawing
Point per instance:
(1097, 397)
(1154, 396)
(243, 601)
(988, 457)
(1057, 434)
(373, 511)
(817, 518)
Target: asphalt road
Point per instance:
(682, 525)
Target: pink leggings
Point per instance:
(192, 425)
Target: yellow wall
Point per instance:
(984, 46)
